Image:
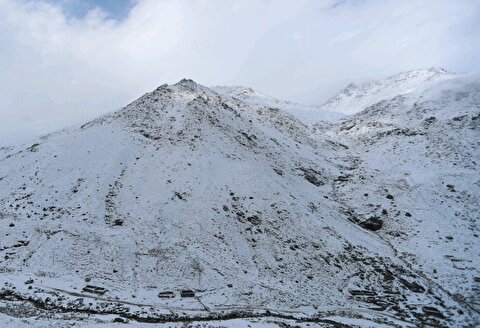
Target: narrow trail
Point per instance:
(218, 314)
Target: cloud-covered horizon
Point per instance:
(58, 69)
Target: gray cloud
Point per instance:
(57, 70)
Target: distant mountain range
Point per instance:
(354, 98)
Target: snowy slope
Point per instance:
(417, 164)
(355, 98)
(189, 188)
(306, 114)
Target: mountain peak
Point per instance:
(188, 83)
(439, 70)
(355, 98)
(428, 72)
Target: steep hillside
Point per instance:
(191, 203)
(355, 98)
(417, 164)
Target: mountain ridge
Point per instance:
(187, 188)
(356, 97)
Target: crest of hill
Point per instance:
(355, 98)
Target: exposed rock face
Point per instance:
(193, 202)
(374, 223)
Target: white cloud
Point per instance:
(57, 70)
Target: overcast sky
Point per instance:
(66, 61)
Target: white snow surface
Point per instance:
(304, 113)
(261, 215)
(355, 98)
(422, 148)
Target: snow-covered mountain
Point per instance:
(417, 164)
(355, 98)
(306, 114)
(212, 193)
